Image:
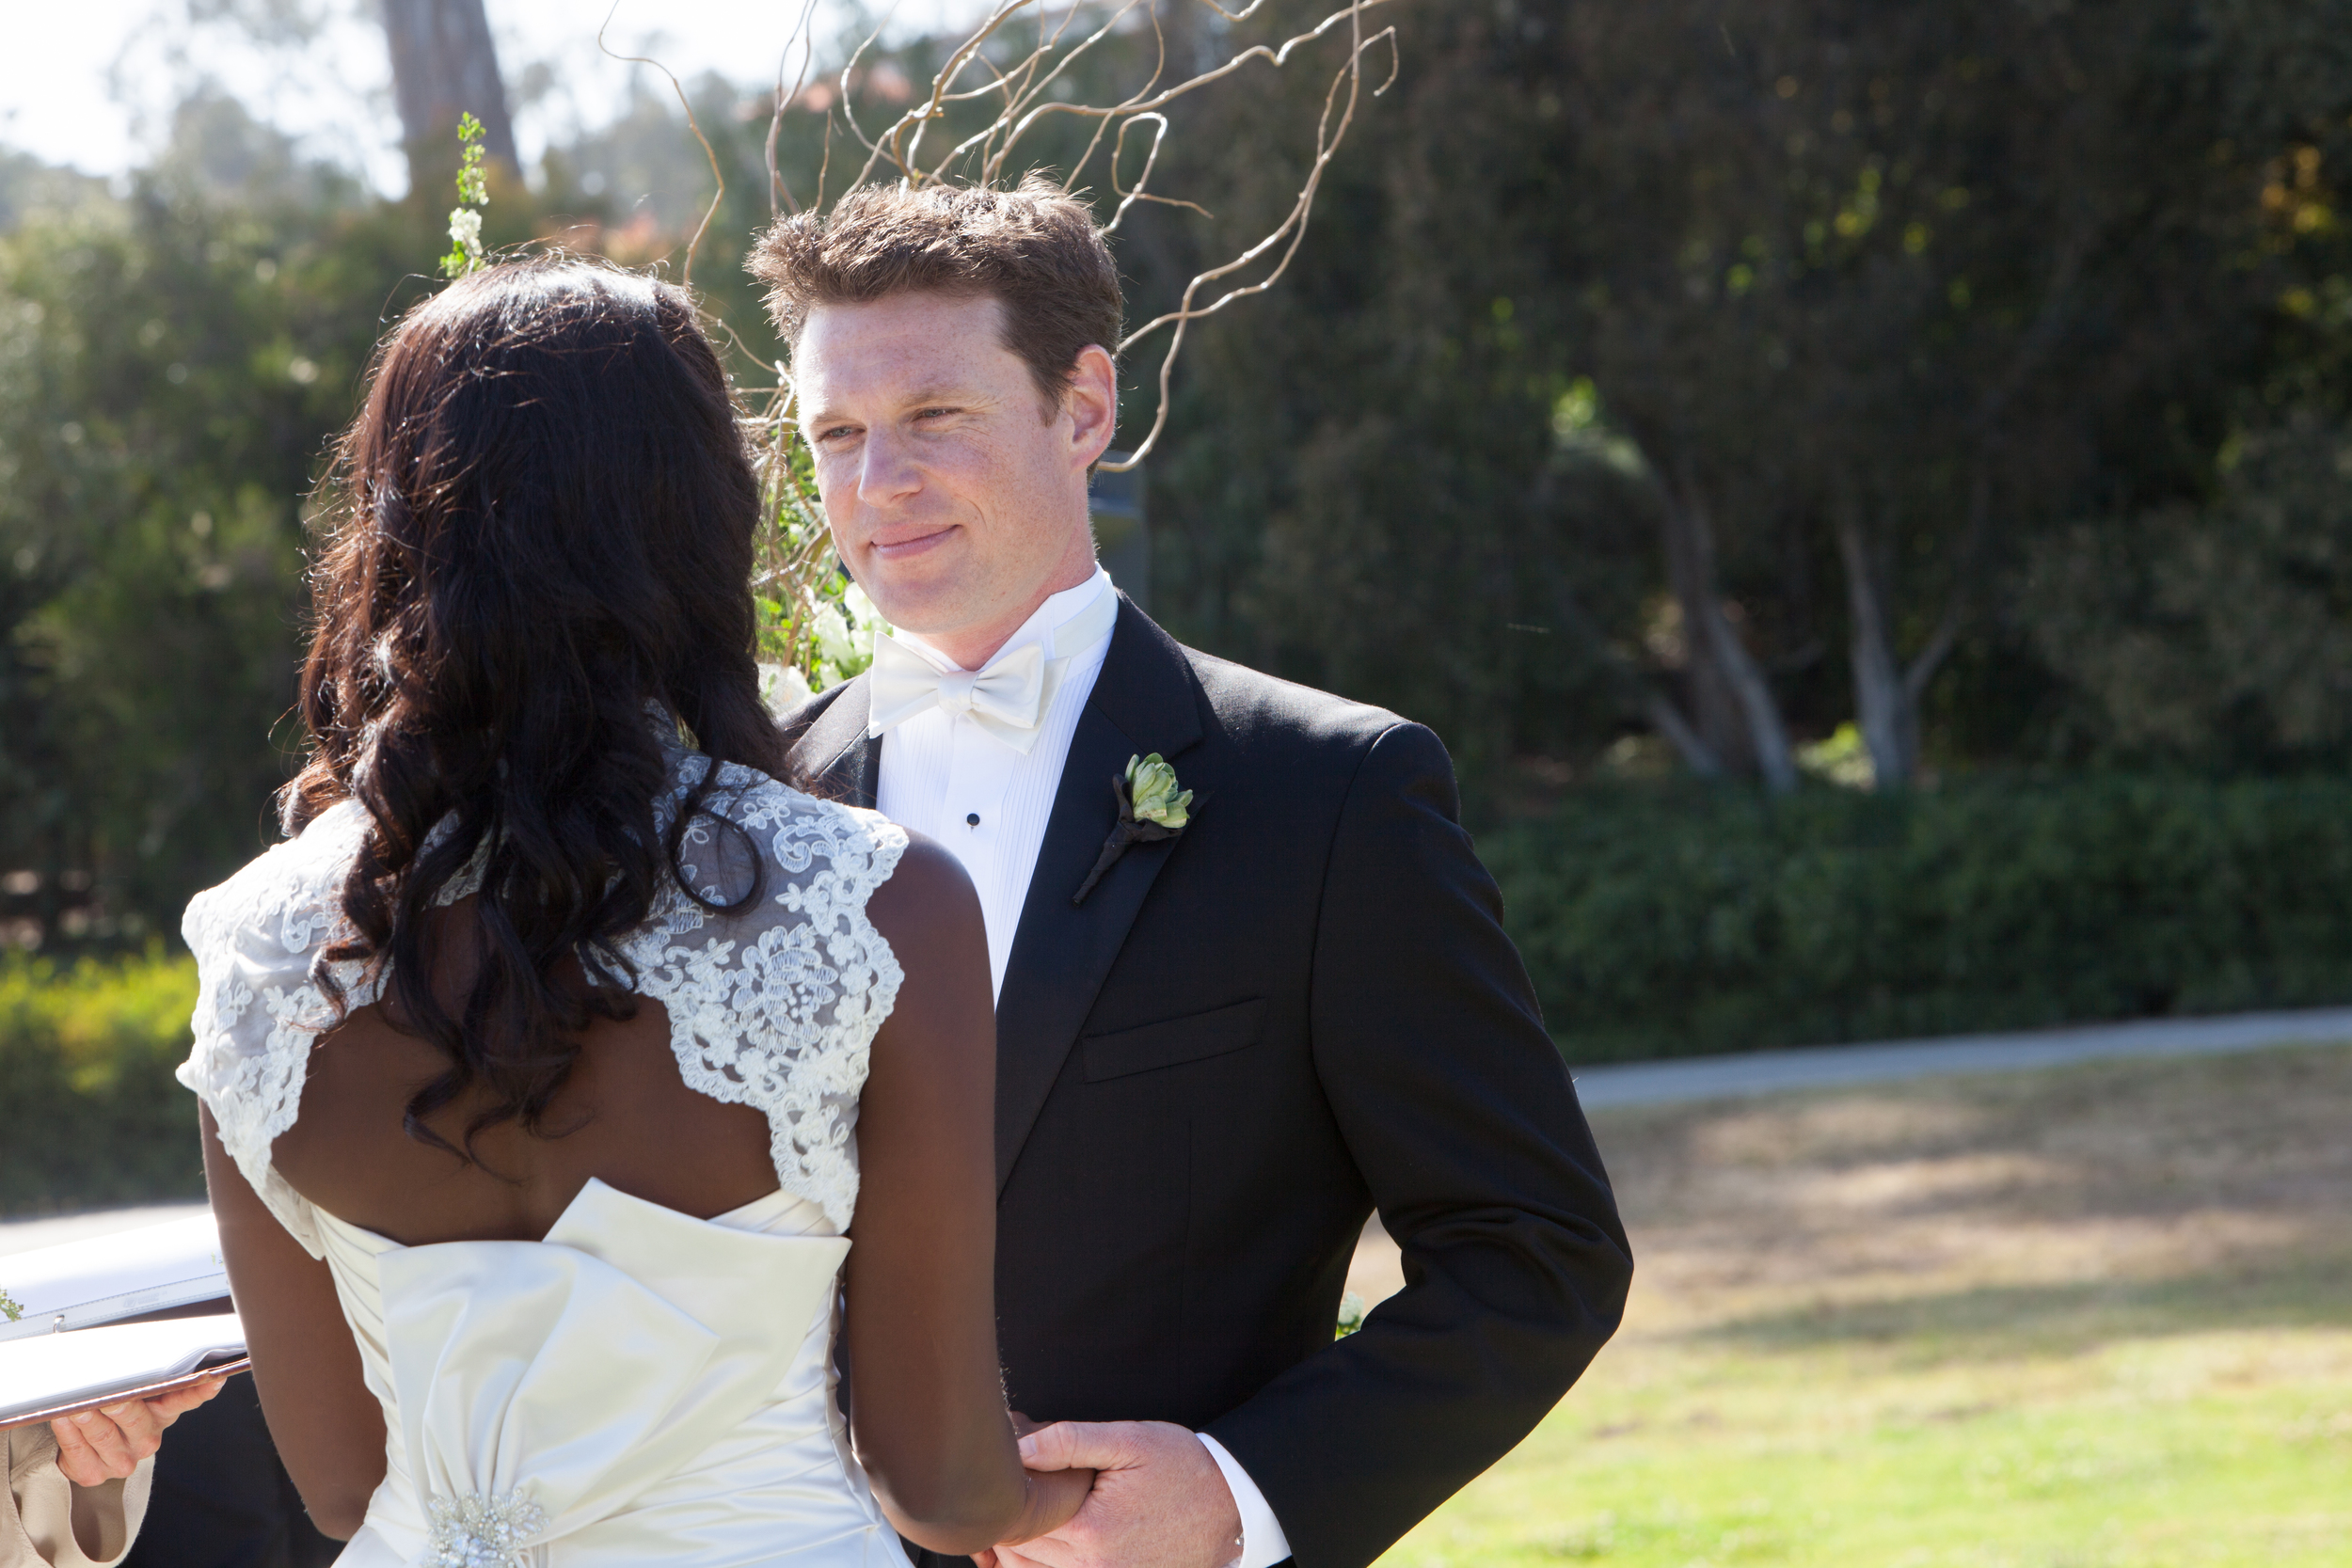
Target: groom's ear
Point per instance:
(1091, 398)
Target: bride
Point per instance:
(570, 1081)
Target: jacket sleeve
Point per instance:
(37, 1523)
(1458, 1111)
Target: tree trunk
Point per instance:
(1667, 720)
(1715, 649)
(1640, 692)
(1888, 720)
(1887, 693)
(444, 64)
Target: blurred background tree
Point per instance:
(1917, 397)
(1703, 374)
(173, 360)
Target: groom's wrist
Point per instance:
(1261, 1543)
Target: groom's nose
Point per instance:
(886, 470)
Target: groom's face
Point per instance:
(955, 493)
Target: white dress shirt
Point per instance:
(988, 803)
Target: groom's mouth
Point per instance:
(906, 546)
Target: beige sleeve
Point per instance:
(48, 1522)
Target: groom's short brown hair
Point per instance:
(1035, 248)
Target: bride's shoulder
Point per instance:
(284, 898)
(257, 939)
(793, 832)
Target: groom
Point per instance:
(1284, 1004)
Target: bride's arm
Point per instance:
(928, 1404)
(328, 1429)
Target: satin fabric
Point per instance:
(1002, 699)
(1007, 696)
(658, 1389)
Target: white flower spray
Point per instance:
(474, 193)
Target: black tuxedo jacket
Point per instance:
(1245, 1040)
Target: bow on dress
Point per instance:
(543, 1386)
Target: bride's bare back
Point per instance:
(623, 1115)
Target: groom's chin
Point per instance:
(928, 599)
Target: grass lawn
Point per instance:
(2099, 1317)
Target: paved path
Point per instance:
(1377, 1273)
(1710, 1078)
(1829, 1067)
(25, 1235)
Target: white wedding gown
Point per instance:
(639, 1388)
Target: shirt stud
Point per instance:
(971, 819)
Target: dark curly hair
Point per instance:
(543, 525)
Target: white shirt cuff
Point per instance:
(1263, 1543)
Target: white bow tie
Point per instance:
(1004, 697)
(1007, 696)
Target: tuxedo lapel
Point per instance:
(832, 755)
(1144, 700)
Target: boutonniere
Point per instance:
(1150, 810)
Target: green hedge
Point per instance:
(1678, 920)
(89, 1110)
(1656, 921)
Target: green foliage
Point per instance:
(2216, 633)
(1969, 272)
(27, 185)
(1673, 921)
(90, 1113)
(1577, 256)
(474, 193)
(172, 367)
(815, 627)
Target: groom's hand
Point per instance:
(1159, 1501)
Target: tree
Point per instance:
(1901, 281)
(1841, 304)
(172, 366)
(444, 64)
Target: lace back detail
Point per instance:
(773, 1005)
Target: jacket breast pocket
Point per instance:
(1172, 1042)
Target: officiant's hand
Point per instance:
(100, 1445)
(1159, 1501)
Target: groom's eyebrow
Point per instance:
(922, 397)
(943, 391)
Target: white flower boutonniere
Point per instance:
(1150, 809)
(1148, 791)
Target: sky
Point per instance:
(89, 83)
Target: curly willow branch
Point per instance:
(1293, 227)
(798, 579)
(803, 34)
(1022, 87)
(686, 273)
